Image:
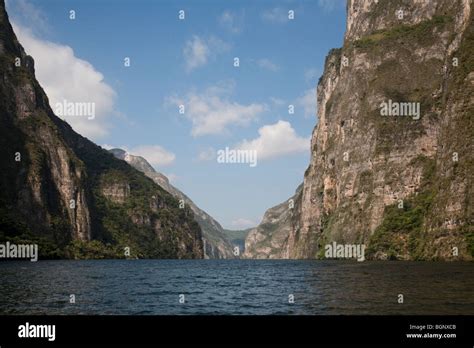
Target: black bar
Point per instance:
(224, 330)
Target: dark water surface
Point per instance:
(235, 287)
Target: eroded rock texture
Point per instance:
(400, 185)
(62, 191)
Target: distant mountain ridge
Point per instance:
(237, 238)
(215, 243)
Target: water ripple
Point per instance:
(240, 287)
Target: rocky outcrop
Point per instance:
(270, 238)
(60, 190)
(402, 185)
(215, 243)
(116, 192)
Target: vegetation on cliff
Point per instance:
(59, 190)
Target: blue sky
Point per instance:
(190, 62)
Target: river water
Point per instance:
(147, 287)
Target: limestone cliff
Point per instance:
(216, 244)
(402, 185)
(269, 239)
(62, 191)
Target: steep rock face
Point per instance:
(400, 185)
(40, 174)
(215, 243)
(65, 193)
(269, 239)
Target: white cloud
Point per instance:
(242, 223)
(108, 147)
(276, 15)
(308, 102)
(232, 21)
(198, 51)
(211, 112)
(267, 64)
(67, 77)
(208, 154)
(276, 140)
(154, 154)
(26, 12)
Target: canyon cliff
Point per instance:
(73, 198)
(401, 185)
(215, 243)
